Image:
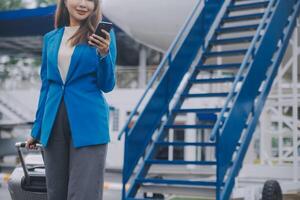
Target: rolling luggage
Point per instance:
(28, 182)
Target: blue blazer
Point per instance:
(88, 77)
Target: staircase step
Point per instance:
(176, 182)
(235, 29)
(182, 126)
(226, 53)
(208, 117)
(213, 80)
(197, 110)
(180, 162)
(248, 1)
(181, 170)
(221, 66)
(202, 144)
(249, 6)
(232, 40)
(221, 94)
(182, 190)
(239, 18)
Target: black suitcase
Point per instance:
(28, 182)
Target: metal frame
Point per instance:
(288, 124)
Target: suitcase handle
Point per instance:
(23, 145)
(19, 146)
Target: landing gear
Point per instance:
(271, 190)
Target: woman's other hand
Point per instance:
(31, 143)
(100, 43)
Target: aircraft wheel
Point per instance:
(271, 190)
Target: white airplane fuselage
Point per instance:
(154, 23)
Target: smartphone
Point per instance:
(103, 25)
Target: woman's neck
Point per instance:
(74, 22)
(75, 26)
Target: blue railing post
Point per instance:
(124, 179)
(219, 179)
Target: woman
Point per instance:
(72, 117)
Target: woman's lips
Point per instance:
(81, 12)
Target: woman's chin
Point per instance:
(81, 17)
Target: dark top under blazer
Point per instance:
(89, 75)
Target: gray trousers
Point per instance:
(72, 173)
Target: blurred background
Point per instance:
(151, 34)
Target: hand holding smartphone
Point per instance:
(103, 25)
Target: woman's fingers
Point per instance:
(106, 33)
(107, 40)
(99, 38)
(101, 46)
(99, 42)
(31, 144)
(34, 147)
(95, 41)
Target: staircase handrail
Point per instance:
(239, 74)
(258, 108)
(167, 57)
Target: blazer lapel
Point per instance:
(55, 45)
(74, 61)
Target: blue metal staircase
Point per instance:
(236, 43)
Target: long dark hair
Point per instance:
(87, 26)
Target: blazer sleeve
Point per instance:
(36, 129)
(106, 70)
